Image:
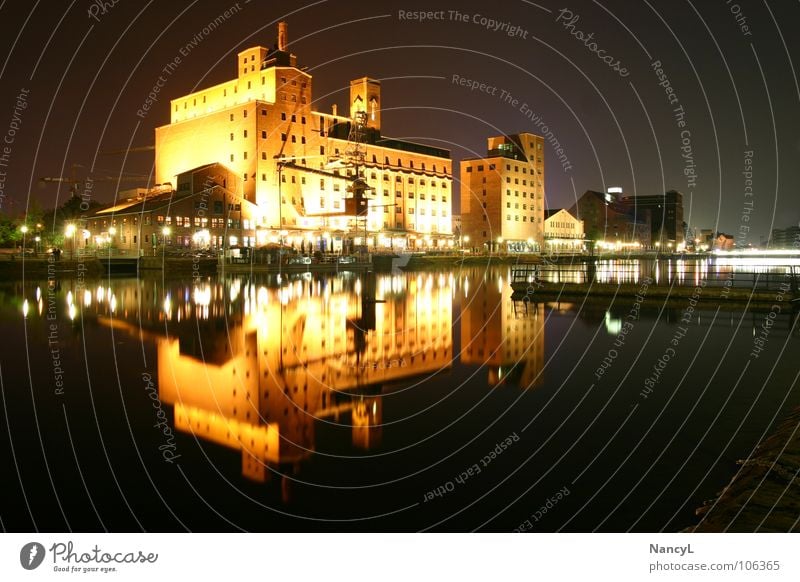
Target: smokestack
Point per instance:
(283, 35)
(335, 109)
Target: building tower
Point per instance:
(502, 195)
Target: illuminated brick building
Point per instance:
(502, 195)
(296, 163)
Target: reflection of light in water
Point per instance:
(168, 306)
(25, 308)
(72, 311)
(69, 297)
(466, 287)
(236, 287)
(202, 296)
(613, 325)
(262, 297)
(41, 306)
(358, 286)
(38, 293)
(658, 272)
(500, 284)
(113, 303)
(101, 293)
(87, 298)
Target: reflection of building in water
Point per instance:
(305, 351)
(504, 335)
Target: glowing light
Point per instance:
(202, 297)
(87, 297)
(112, 230)
(25, 308)
(70, 230)
(72, 311)
(23, 229)
(166, 231)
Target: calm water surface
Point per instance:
(393, 402)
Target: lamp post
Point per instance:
(165, 232)
(24, 230)
(70, 233)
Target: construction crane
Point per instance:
(75, 184)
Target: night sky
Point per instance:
(731, 66)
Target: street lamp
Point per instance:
(70, 233)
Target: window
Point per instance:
(469, 169)
(231, 157)
(283, 137)
(263, 177)
(411, 211)
(244, 113)
(263, 135)
(283, 116)
(398, 210)
(231, 137)
(263, 111)
(263, 155)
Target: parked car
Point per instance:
(300, 260)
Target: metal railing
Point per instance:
(776, 278)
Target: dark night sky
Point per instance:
(739, 91)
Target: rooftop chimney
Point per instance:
(283, 35)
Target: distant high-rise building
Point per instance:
(502, 195)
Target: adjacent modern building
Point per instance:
(785, 238)
(563, 233)
(502, 195)
(667, 227)
(610, 223)
(298, 166)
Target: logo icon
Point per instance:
(31, 555)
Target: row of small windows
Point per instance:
(524, 218)
(565, 225)
(516, 206)
(479, 168)
(293, 98)
(516, 194)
